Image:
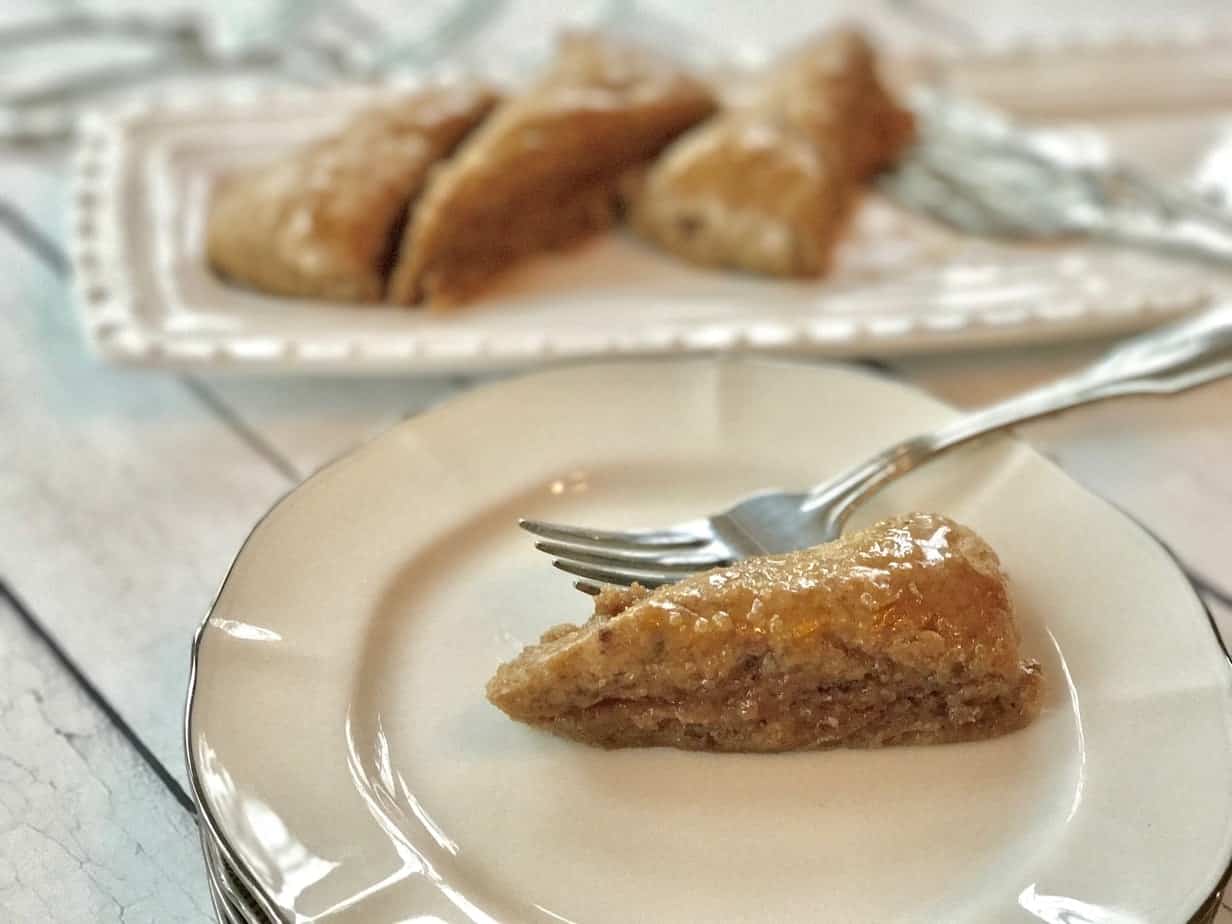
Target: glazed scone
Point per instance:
(902, 633)
(324, 221)
(767, 185)
(544, 171)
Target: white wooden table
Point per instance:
(124, 495)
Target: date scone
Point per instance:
(543, 172)
(902, 633)
(767, 185)
(324, 221)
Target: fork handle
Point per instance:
(1163, 361)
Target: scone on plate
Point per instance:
(767, 185)
(902, 633)
(324, 221)
(543, 172)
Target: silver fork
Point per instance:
(977, 170)
(1163, 361)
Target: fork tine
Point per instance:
(628, 539)
(587, 587)
(621, 576)
(620, 558)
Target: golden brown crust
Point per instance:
(767, 185)
(542, 173)
(902, 632)
(319, 223)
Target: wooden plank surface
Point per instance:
(309, 422)
(88, 833)
(124, 501)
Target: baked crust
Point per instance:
(543, 172)
(901, 633)
(767, 186)
(322, 222)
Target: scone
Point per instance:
(767, 185)
(544, 171)
(324, 221)
(900, 634)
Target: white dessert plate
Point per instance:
(343, 752)
(144, 178)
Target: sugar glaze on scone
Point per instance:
(902, 633)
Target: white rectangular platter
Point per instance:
(902, 283)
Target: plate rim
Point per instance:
(108, 303)
(1204, 911)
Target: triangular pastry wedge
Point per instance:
(324, 222)
(767, 185)
(543, 172)
(902, 633)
